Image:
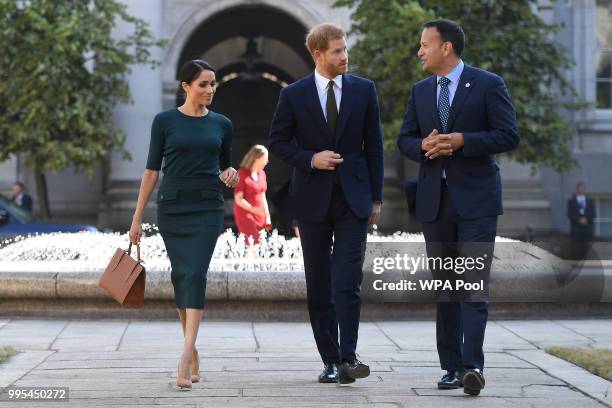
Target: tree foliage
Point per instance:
(61, 73)
(503, 36)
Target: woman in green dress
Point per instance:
(195, 145)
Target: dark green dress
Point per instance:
(189, 200)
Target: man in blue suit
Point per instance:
(456, 121)
(20, 198)
(327, 126)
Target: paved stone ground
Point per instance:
(244, 364)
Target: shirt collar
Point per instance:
(455, 74)
(322, 81)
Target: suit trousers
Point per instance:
(334, 252)
(460, 324)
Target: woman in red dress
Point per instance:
(251, 211)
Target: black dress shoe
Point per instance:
(329, 373)
(473, 381)
(450, 381)
(351, 370)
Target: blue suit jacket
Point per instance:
(299, 130)
(26, 202)
(483, 112)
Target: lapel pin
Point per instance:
(467, 85)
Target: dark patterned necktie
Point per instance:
(331, 109)
(444, 103)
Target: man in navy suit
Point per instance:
(327, 126)
(20, 198)
(581, 213)
(456, 121)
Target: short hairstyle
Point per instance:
(20, 184)
(319, 36)
(449, 31)
(192, 69)
(254, 153)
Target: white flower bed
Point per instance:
(91, 251)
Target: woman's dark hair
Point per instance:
(192, 69)
(449, 31)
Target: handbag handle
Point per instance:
(129, 251)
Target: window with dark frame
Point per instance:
(604, 53)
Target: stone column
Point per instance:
(119, 201)
(8, 175)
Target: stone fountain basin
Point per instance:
(520, 272)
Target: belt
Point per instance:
(189, 195)
(180, 178)
(189, 182)
(190, 189)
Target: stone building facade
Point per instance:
(257, 46)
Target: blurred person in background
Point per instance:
(581, 213)
(20, 198)
(251, 211)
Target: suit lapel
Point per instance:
(313, 104)
(345, 110)
(432, 96)
(462, 92)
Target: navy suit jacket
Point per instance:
(483, 112)
(26, 202)
(299, 130)
(578, 230)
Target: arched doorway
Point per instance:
(256, 50)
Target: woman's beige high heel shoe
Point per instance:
(195, 367)
(183, 382)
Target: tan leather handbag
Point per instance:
(124, 278)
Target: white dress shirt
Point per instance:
(454, 76)
(322, 82)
